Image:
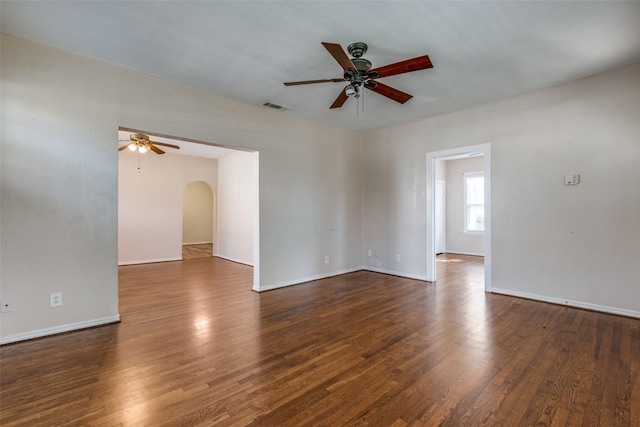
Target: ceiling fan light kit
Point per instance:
(358, 73)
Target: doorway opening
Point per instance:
(151, 189)
(197, 221)
(434, 212)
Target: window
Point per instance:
(474, 202)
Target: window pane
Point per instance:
(475, 218)
(475, 190)
(474, 201)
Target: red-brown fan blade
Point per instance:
(154, 148)
(415, 64)
(123, 147)
(309, 82)
(388, 91)
(340, 100)
(165, 145)
(339, 55)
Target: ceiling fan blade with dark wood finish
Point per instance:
(340, 100)
(123, 147)
(310, 82)
(165, 144)
(340, 56)
(415, 64)
(154, 148)
(388, 91)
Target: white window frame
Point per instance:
(465, 202)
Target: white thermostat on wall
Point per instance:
(572, 179)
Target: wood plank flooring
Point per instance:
(196, 347)
(197, 250)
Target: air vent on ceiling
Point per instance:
(274, 106)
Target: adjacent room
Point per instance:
(417, 213)
(188, 199)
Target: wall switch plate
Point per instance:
(397, 257)
(5, 307)
(369, 252)
(326, 259)
(55, 299)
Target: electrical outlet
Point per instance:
(5, 307)
(326, 259)
(369, 252)
(397, 257)
(55, 299)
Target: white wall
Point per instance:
(577, 245)
(58, 190)
(236, 207)
(197, 213)
(457, 240)
(60, 119)
(150, 203)
(320, 188)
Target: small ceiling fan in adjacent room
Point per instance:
(141, 143)
(358, 73)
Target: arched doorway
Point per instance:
(197, 221)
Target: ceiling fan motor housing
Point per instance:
(139, 137)
(357, 49)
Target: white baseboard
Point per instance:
(197, 243)
(304, 279)
(570, 303)
(233, 259)
(463, 253)
(149, 261)
(396, 273)
(59, 329)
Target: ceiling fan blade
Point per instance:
(165, 145)
(388, 91)
(123, 147)
(340, 100)
(154, 148)
(339, 55)
(415, 64)
(309, 82)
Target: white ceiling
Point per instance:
(244, 50)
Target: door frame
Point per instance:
(440, 209)
(458, 153)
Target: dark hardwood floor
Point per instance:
(196, 347)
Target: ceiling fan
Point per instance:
(358, 73)
(142, 144)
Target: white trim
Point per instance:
(59, 329)
(570, 303)
(338, 273)
(256, 221)
(463, 152)
(396, 273)
(454, 252)
(198, 243)
(233, 260)
(305, 279)
(149, 261)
